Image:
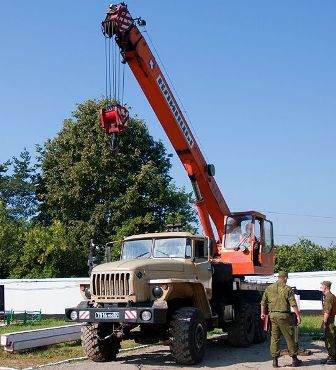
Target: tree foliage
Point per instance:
(49, 252)
(11, 236)
(18, 181)
(305, 256)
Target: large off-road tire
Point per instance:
(260, 334)
(97, 349)
(242, 331)
(188, 335)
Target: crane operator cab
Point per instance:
(248, 243)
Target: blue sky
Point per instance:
(257, 79)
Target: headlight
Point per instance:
(146, 315)
(157, 292)
(87, 293)
(73, 315)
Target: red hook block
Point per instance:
(114, 119)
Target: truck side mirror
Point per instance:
(108, 253)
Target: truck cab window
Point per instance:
(201, 249)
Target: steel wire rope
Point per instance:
(294, 214)
(300, 215)
(123, 85)
(118, 96)
(106, 72)
(306, 236)
(114, 55)
(112, 73)
(203, 151)
(109, 70)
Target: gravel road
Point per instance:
(219, 355)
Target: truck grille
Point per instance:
(111, 285)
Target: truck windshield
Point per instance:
(136, 249)
(237, 232)
(172, 247)
(163, 248)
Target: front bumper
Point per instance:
(139, 315)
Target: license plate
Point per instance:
(107, 315)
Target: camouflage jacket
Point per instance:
(279, 297)
(329, 304)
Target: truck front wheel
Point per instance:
(95, 346)
(188, 335)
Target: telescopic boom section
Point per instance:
(137, 54)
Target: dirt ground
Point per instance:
(219, 355)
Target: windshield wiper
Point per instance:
(141, 255)
(164, 253)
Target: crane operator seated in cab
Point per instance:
(248, 240)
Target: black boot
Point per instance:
(296, 362)
(275, 362)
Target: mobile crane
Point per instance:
(175, 286)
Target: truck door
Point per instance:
(202, 264)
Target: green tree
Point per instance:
(301, 256)
(101, 196)
(49, 252)
(329, 263)
(18, 186)
(11, 236)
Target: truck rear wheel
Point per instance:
(188, 335)
(96, 348)
(242, 331)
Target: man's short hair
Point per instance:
(283, 274)
(326, 283)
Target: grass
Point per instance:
(311, 325)
(58, 352)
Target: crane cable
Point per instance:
(114, 74)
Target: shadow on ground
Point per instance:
(219, 354)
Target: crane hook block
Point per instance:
(114, 119)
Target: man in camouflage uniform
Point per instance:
(328, 327)
(279, 298)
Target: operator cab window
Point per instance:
(257, 228)
(238, 230)
(268, 246)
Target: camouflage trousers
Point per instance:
(282, 324)
(329, 339)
